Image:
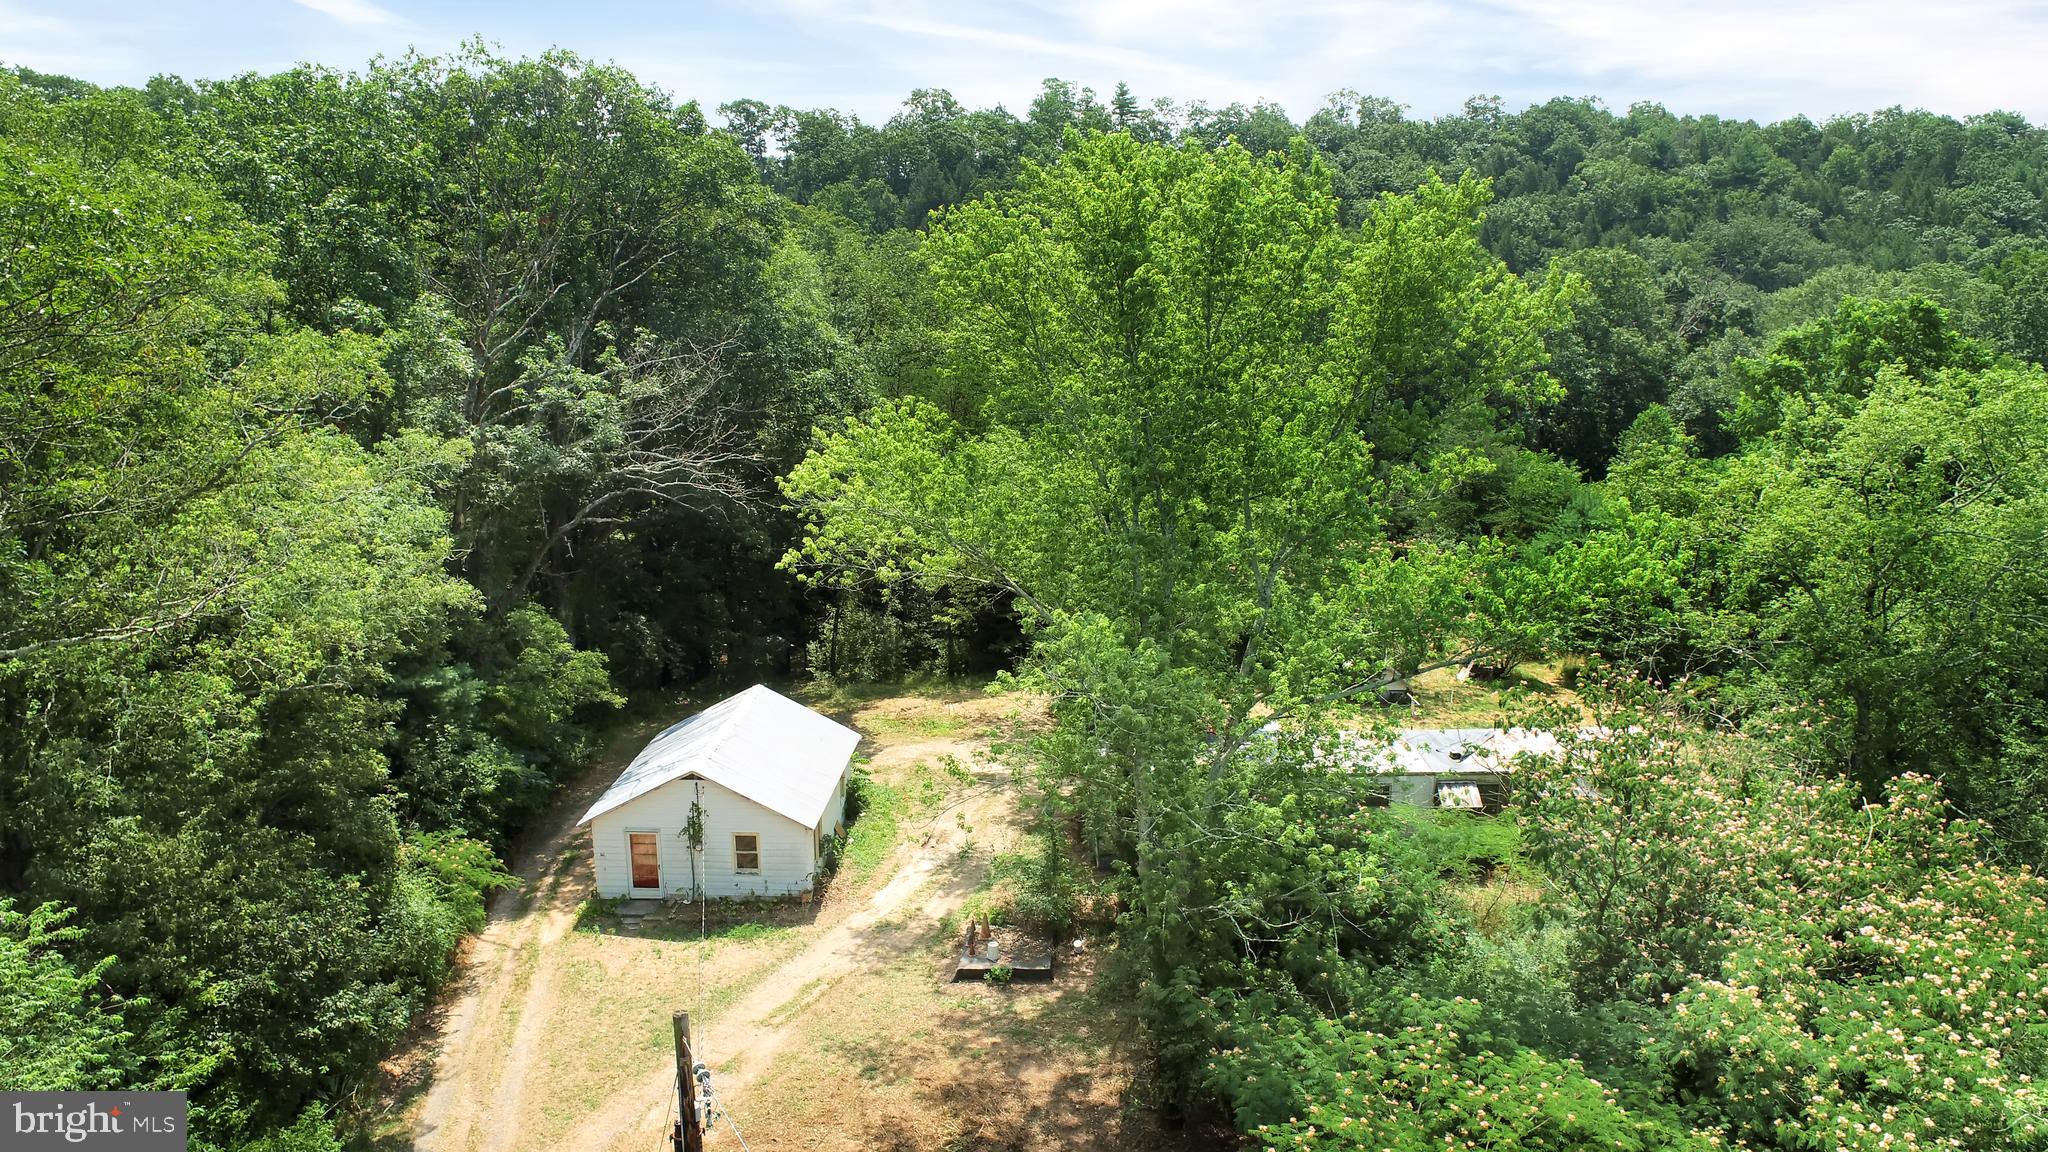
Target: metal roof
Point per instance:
(1449, 751)
(760, 744)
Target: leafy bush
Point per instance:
(598, 914)
(1463, 845)
(1826, 972)
(863, 643)
(874, 815)
(1723, 952)
(860, 785)
(1424, 1076)
(312, 1132)
(437, 897)
(1041, 887)
(1881, 981)
(490, 725)
(56, 1032)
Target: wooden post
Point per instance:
(689, 1137)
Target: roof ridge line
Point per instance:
(727, 726)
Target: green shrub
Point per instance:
(872, 824)
(1045, 894)
(56, 1033)
(1465, 845)
(1428, 1077)
(313, 1132)
(437, 897)
(598, 914)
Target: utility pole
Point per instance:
(689, 1136)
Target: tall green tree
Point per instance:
(206, 582)
(1182, 352)
(1617, 360)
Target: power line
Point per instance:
(729, 1123)
(714, 1111)
(704, 1110)
(673, 1084)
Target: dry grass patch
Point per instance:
(828, 1025)
(905, 1061)
(1444, 701)
(609, 1016)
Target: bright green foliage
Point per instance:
(1823, 972)
(1620, 591)
(56, 1034)
(597, 329)
(2020, 305)
(1867, 552)
(1174, 428)
(437, 898)
(1832, 363)
(1181, 355)
(356, 430)
(218, 578)
(1884, 983)
(1617, 359)
(1199, 551)
(1637, 858)
(1856, 557)
(1727, 954)
(311, 1132)
(332, 170)
(1423, 1080)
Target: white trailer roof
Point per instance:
(1445, 751)
(760, 744)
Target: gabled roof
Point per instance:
(760, 744)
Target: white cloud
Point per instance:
(354, 13)
(1821, 57)
(50, 43)
(1753, 58)
(998, 53)
(1740, 57)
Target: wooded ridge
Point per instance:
(367, 438)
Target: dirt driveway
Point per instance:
(827, 1027)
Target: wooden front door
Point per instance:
(645, 852)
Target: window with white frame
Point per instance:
(1457, 794)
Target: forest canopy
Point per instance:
(367, 438)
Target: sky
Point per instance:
(1746, 58)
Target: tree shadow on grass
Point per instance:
(1027, 1067)
(734, 920)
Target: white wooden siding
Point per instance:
(835, 809)
(789, 861)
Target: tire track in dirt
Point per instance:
(480, 1072)
(741, 1043)
(482, 1091)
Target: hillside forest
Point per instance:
(367, 439)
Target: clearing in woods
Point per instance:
(826, 1027)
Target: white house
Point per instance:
(768, 777)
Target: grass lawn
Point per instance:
(1444, 701)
